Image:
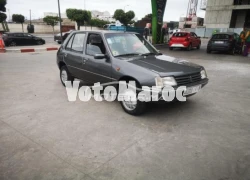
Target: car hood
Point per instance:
(167, 65)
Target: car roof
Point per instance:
(107, 32)
(229, 33)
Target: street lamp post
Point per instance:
(60, 23)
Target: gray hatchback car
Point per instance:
(106, 57)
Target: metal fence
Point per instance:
(208, 32)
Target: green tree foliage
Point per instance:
(80, 16)
(97, 23)
(124, 18)
(149, 16)
(3, 16)
(51, 21)
(2, 5)
(18, 18)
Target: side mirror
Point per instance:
(99, 56)
(198, 37)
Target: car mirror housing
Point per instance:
(199, 37)
(99, 56)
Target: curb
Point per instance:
(26, 50)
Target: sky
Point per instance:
(174, 8)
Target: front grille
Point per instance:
(187, 79)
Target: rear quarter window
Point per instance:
(180, 34)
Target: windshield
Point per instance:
(128, 44)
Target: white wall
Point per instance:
(38, 28)
(41, 28)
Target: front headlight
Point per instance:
(203, 74)
(166, 81)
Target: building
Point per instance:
(63, 15)
(102, 15)
(227, 13)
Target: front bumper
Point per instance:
(203, 83)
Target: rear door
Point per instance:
(73, 54)
(194, 39)
(27, 39)
(18, 39)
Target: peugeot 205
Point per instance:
(106, 57)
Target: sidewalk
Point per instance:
(39, 48)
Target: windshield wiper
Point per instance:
(128, 54)
(151, 53)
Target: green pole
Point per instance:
(158, 9)
(154, 21)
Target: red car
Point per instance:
(186, 40)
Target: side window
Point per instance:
(68, 47)
(78, 41)
(95, 45)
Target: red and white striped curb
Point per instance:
(26, 50)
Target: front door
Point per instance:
(73, 55)
(98, 70)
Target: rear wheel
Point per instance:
(12, 43)
(232, 51)
(189, 48)
(170, 48)
(199, 46)
(65, 75)
(208, 51)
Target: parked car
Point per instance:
(225, 42)
(186, 40)
(15, 39)
(109, 57)
(58, 39)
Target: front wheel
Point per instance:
(171, 48)
(132, 106)
(65, 75)
(208, 51)
(39, 43)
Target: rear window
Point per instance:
(180, 34)
(221, 36)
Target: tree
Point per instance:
(98, 22)
(80, 16)
(51, 21)
(149, 16)
(3, 16)
(124, 18)
(18, 18)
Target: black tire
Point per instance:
(189, 48)
(199, 46)
(69, 77)
(12, 43)
(171, 49)
(232, 51)
(138, 110)
(39, 43)
(208, 51)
